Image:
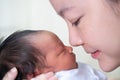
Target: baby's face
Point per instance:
(58, 56)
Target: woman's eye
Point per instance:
(76, 22)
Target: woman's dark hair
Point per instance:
(17, 51)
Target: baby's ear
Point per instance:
(30, 76)
(34, 74)
(37, 72)
(48, 69)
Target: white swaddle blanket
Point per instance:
(83, 72)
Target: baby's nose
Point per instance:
(70, 49)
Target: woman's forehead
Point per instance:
(62, 5)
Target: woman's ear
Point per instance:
(115, 6)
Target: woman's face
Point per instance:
(95, 25)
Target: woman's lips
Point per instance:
(95, 54)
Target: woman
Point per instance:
(95, 25)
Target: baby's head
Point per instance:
(34, 52)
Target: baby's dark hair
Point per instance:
(17, 51)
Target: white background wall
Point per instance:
(39, 14)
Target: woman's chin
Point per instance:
(107, 67)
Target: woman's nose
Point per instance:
(74, 38)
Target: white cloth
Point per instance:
(83, 72)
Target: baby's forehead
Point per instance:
(43, 37)
(49, 35)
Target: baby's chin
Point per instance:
(74, 66)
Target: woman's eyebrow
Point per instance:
(62, 11)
